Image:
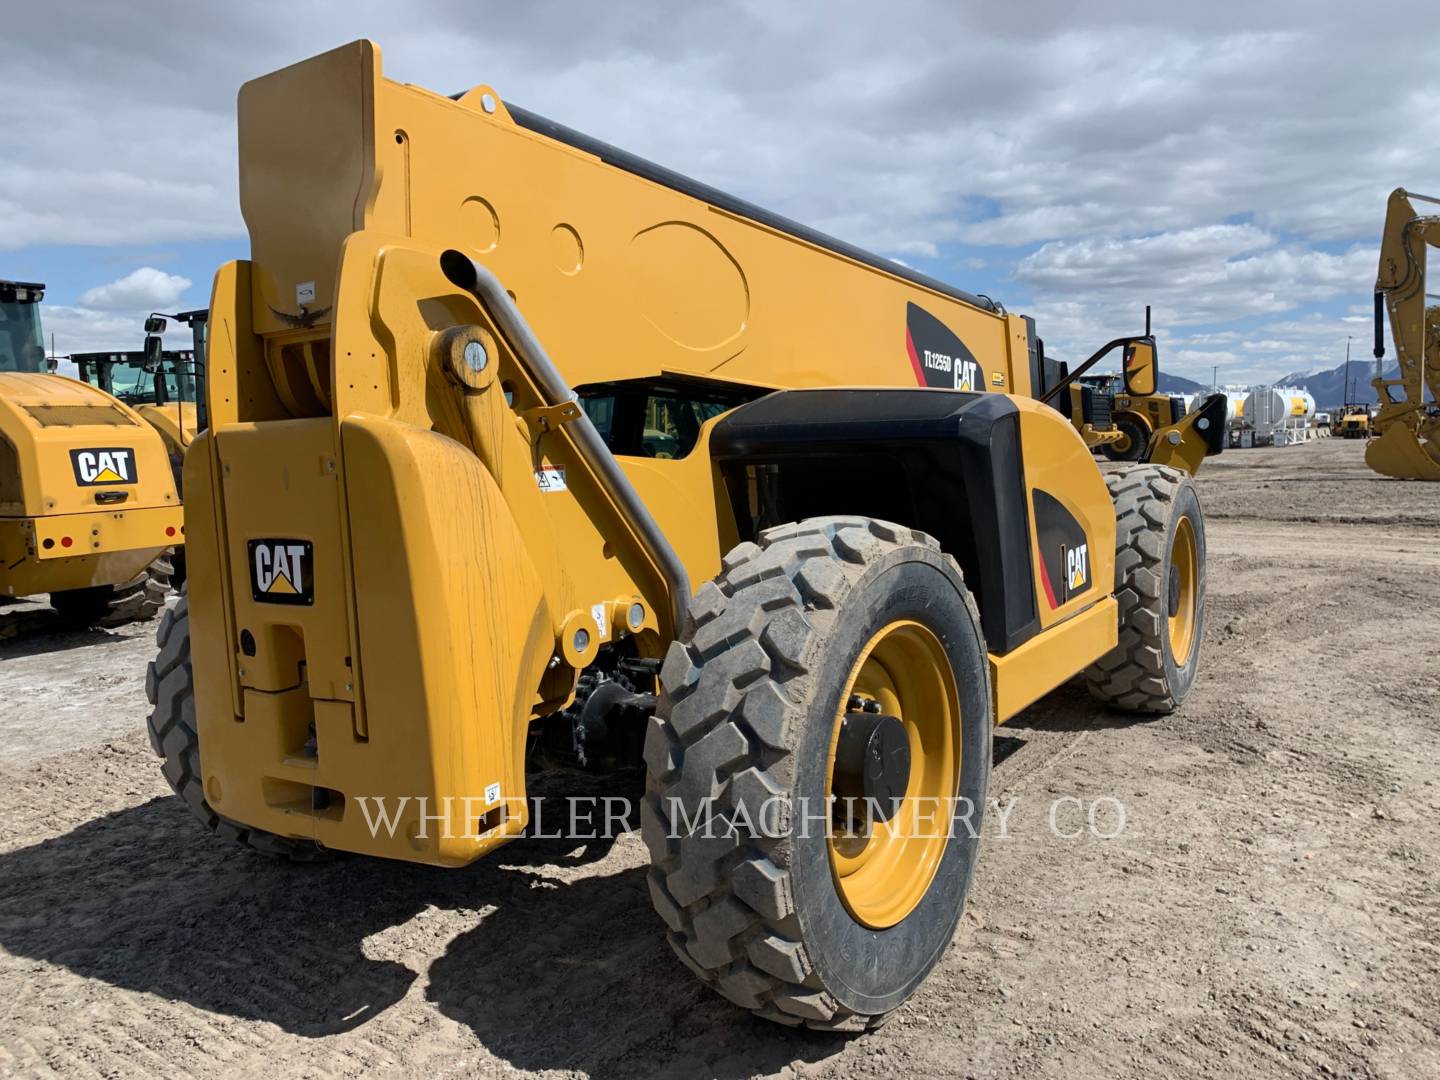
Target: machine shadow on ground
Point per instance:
(33, 631)
(552, 970)
(1069, 708)
(553, 963)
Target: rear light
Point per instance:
(65, 541)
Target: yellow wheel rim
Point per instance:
(881, 877)
(1182, 592)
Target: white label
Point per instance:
(305, 293)
(550, 479)
(492, 794)
(597, 612)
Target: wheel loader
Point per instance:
(523, 447)
(1407, 425)
(1354, 423)
(88, 504)
(1120, 414)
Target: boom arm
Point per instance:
(1409, 428)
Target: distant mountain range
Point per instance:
(1176, 384)
(1326, 386)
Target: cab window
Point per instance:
(658, 419)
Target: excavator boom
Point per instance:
(1408, 423)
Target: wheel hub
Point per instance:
(895, 743)
(1174, 591)
(872, 763)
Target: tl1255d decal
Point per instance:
(1064, 550)
(940, 359)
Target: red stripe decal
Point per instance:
(914, 360)
(1045, 580)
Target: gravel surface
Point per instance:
(1271, 906)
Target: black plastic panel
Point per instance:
(946, 462)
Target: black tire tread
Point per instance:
(726, 901)
(138, 600)
(1133, 449)
(1132, 675)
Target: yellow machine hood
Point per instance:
(70, 448)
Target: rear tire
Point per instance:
(754, 688)
(1132, 448)
(1153, 667)
(170, 686)
(137, 600)
(178, 571)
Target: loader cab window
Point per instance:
(22, 346)
(124, 376)
(658, 419)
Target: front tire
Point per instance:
(170, 686)
(800, 633)
(1160, 588)
(1133, 445)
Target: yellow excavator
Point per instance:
(1407, 425)
(521, 446)
(88, 502)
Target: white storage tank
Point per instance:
(1302, 406)
(1266, 408)
(1234, 405)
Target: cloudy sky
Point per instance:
(1226, 162)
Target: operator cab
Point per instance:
(138, 380)
(22, 345)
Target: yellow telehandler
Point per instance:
(1407, 425)
(88, 502)
(520, 443)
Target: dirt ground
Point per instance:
(1271, 906)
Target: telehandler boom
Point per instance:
(522, 448)
(88, 505)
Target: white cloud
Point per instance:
(112, 316)
(1088, 291)
(1204, 158)
(142, 288)
(1116, 118)
(82, 329)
